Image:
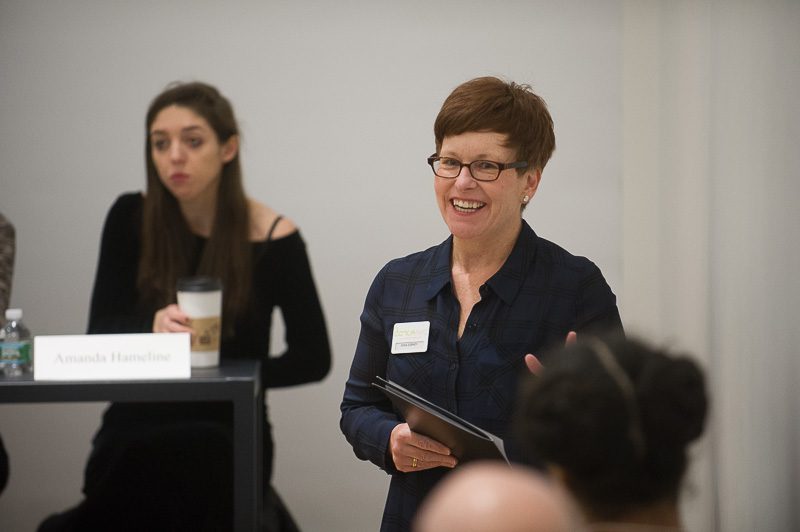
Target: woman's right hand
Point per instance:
(171, 319)
(412, 451)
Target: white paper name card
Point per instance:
(112, 357)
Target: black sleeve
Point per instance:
(308, 356)
(3, 466)
(596, 304)
(7, 250)
(114, 305)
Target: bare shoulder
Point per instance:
(261, 220)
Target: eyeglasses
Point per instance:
(449, 168)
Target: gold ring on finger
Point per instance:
(414, 462)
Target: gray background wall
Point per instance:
(336, 103)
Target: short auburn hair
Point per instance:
(491, 104)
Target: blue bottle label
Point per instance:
(15, 352)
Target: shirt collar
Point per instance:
(508, 280)
(505, 283)
(440, 268)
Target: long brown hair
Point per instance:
(168, 248)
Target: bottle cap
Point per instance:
(13, 313)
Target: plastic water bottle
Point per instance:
(16, 346)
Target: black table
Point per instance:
(237, 381)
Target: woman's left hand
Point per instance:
(533, 363)
(171, 319)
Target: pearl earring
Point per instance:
(525, 199)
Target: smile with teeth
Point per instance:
(467, 206)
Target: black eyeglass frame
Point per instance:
(500, 167)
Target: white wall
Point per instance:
(710, 247)
(337, 102)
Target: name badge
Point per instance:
(410, 337)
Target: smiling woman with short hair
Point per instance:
(493, 292)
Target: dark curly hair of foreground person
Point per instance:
(612, 419)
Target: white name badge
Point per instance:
(112, 357)
(410, 337)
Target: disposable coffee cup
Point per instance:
(201, 298)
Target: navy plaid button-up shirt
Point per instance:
(540, 294)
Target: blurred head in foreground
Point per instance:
(490, 496)
(613, 419)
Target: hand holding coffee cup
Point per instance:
(201, 298)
